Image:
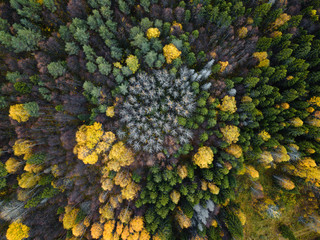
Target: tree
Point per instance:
(204, 157)
(229, 104)
(69, 218)
(133, 63)
(57, 69)
(19, 113)
(96, 230)
(119, 156)
(230, 133)
(171, 52)
(17, 231)
(150, 58)
(153, 33)
(28, 180)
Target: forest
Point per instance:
(160, 119)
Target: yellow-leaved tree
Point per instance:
(183, 220)
(171, 52)
(230, 133)
(91, 142)
(228, 104)
(69, 218)
(19, 113)
(28, 180)
(234, 150)
(204, 157)
(17, 231)
(12, 165)
(119, 156)
(23, 147)
(153, 33)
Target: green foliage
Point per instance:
(22, 87)
(37, 158)
(32, 108)
(57, 69)
(286, 232)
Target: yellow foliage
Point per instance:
(182, 171)
(119, 228)
(285, 106)
(242, 217)
(108, 229)
(117, 65)
(310, 109)
(204, 157)
(264, 135)
(32, 168)
(276, 34)
(89, 135)
(252, 172)
(92, 141)
(96, 230)
(314, 122)
(119, 156)
(175, 196)
(110, 111)
(214, 189)
(175, 24)
(235, 150)
(28, 180)
(91, 158)
(286, 183)
(315, 101)
(204, 185)
(260, 55)
(228, 104)
(307, 162)
(246, 99)
(19, 113)
(125, 233)
(86, 221)
(130, 191)
(22, 195)
(289, 78)
(282, 19)
(106, 212)
(144, 235)
(243, 32)
(122, 178)
(266, 158)
(153, 33)
(115, 200)
(125, 216)
(183, 220)
(214, 223)
(132, 63)
(280, 154)
(12, 165)
(78, 230)
(223, 65)
(23, 147)
(17, 231)
(230, 133)
(69, 218)
(137, 224)
(264, 63)
(296, 122)
(106, 184)
(171, 52)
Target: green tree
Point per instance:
(57, 69)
